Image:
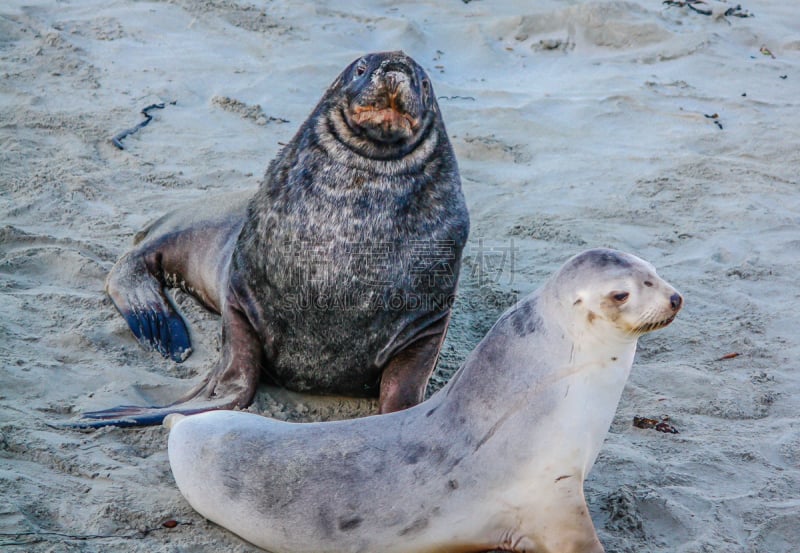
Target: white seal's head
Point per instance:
(614, 291)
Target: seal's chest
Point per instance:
(589, 400)
(323, 267)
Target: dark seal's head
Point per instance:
(387, 97)
(382, 105)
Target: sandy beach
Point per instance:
(637, 125)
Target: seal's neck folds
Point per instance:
(534, 365)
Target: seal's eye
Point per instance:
(620, 297)
(648, 283)
(361, 68)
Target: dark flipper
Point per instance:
(406, 376)
(162, 330)
(190, 249)
(216, 392)
(139, 296)
(230, 385)
(132, 415)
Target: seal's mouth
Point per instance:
(389, 121)
(649, 327)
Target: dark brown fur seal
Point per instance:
(337, 277)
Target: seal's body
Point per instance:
(495, 460)
(337, 276)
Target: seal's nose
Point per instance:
(393, 80)
(675, 301)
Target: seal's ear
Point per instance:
(425, 89)
(583, 298)
(428, 98)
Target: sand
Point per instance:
(635, 125)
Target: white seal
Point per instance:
(494, 460)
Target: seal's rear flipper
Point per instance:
(133, 415)
(231, 384)
(139, 297)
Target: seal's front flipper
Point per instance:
(406, 375)
(139, 296)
